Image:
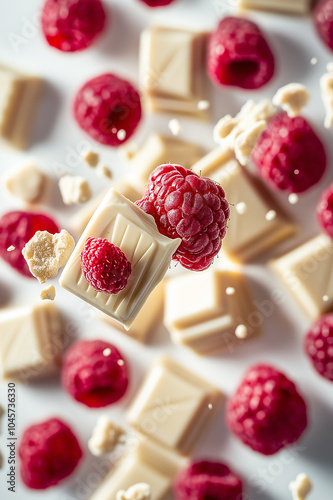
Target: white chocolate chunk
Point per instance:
(326, 86)
(301, 487)
(105, 437)
(26, 182)
(104, 171)
(91, 158)
(74, 189)
(11, 248)
(287, 6)
(175, 126)
(48, 293)
(247, 140)
(121, 134)
(202, 105)
(46, 253)
(292, 98)
(139, 491)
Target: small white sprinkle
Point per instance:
(107, 352)
(314, 61)
(293, 199)
(210, 406)
(241, 208)
(230, 290)
(121, 362)
(271, 215)
(325, 298)
(241, 332)
(121, 134)
(11, 248)
(203, 105)
(175, 127)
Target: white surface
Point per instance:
(57, 138)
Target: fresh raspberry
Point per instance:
(16, 229)
(108, 109)
(71, 25)
(318, 346)
(189, 207)
(94, 373)
(207, 480)
(239, 55)
(323, 19)
(289, 155)
(105, 266)
(267, 413)
(49, 452)
(325, 211)
(157, 3)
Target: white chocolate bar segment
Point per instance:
(287, 6)
(125, 225)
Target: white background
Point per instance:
(56, 136)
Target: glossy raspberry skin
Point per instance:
(318, 345)
(93, 378)
(239, 55)
(105, 266)
(104, 106)
(49, 452)
(157, 3)
(71, 25)
(289, 155)
(16, 229)
(266, 412)
(189, 207)
(325, 211)
(207, 480)
(323, 19)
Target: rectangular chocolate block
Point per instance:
(287, 6)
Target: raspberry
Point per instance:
(16, 229)
(239, 55)
(267, 413)
(289, 155)
(94, 373)
(323, 19)
(207, 480)
(71, 25)
(157, 3)
(108, 109)
(325, 211)
(189, 207)
(318, 346)
(49, 452)
(105, 266)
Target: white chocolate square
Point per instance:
(307, 271)
(126, 226)
(172, 406)
(287, 6)
(27, 183)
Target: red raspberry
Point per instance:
(71, 25)
(108, 109)
(49, 452)
(94, 373)
(289, 155)
(319, 346)
(105, 266)
(157, 3)
(189, 207)
(16, 229)
(207, 480)
(239, 55)
(267, 413)
(323, 19)
(325, 211)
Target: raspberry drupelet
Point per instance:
(318, 346)
(323, 19)
(49, 452)
(94, 373)
(207, 480)
(289, 155)
(325, 211)
(239, 55)
(189, 207)
(267, 412)
(71, 25)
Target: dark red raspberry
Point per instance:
(239, 55)
(325, 211)
(16, 229)
(71, 25)
(105, 266)
(49, 452)
(207, 480)
(289, 155)
(157, 3)
(266, 412)
(189, 207)
(319, 346)
(108, 109)
(323, 19)
(94, 373)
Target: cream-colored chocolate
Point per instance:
(91, 158)
(307, 271)
(148, 317)
(125, 225)
(139, 491)
(26, 183)
(172, 406)
(326, 86)
(48, 293)
(31, 341)
(74, 189)
(301, 487)
(292, 98)
(246, 141)
(104, 171)
(288, 6)
(222, 156)
(172, 72)
(105, 437)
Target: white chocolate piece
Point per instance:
(46, 253)
(27, 183)
(91, 158)
(288, 6)
(172, 406)
(125, 225)
(19, 95)
(175, 126)
(326, 86)
(104, 171)
(11, 248)
(105, 436)
(31, 341)
(48, 293)
(307, 272)
(301, 487)
(139, 491)
(222, 156)
(246, 141)
(292, 98)
(74, 189)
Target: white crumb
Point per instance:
(48, 293)
(175, 127)
(301, 487)
(292, 98)
(91, 158)
(105, 437)
(74, 189)
(140, 491)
